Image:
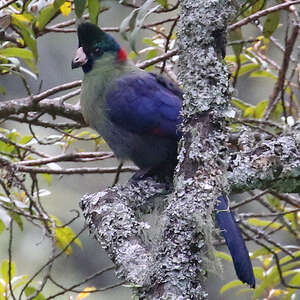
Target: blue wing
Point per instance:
(146, 104)
(235, 242)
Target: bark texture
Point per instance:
(173, 265)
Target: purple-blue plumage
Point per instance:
(146, 111)
(235, 242)
(143, 105)
(138, 114)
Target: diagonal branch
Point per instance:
(279, 86)
(112, 216)
(262, 13)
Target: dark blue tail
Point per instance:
(235, 242)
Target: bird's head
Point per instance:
(93, 44)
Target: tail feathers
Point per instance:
(235, 242)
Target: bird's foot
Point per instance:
(141, 175)
(153, 173)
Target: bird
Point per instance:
(138, 115)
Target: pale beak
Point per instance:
(79, 59)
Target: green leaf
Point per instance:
(2, 226)
(23, 22)
(241, 104)
(273, 278)
(94, 10)
(236, 35)
(163, 3)
(271, 23)
(17, 52)
(13, 135)
(247, 68)
(290, 295)
(274, 201)
(287, 258)
(32, 66)
(30, 290)
(83, 134)
(258, 5)
(26, 139)
(263, 251)
(66, 8)
(262, 73)
(249, 112)
(143, 13)
(149, 42)
(2, 90)
(294, 281)
(128, 22)
(232, 59)
(258, 272)
(260, 108)
(230, 285)
(79, 7)
(17, 218)
(2, 290)
(292, 217)
(48, 178)
(244, 290)
(152, 53)
(20, 281)
(132, 55)
(264, 223)
(5, 270)
(136, 20)
(64, 236)
(224, 256)
(48, 13)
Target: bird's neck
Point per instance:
(100, 79)
(110, 67)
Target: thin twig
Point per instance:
(7, 4)
(168, 42)
(79, 157)
(255, 197)
(262, 13)
(274, 99)
(53, 258)
(10, 259)
(71, 288)
(260, 234)
(277, 214)
(277, 261)
(157, 59)
(116, 180)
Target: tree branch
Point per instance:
(50, 106)
(279, 86)
(112, 216)
(272, 164)
(173, 268)
(262, 13)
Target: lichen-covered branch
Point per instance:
(173, 268)
(113, 217)
(51, 106)
(272, 164)
(200, 173)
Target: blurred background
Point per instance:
(30, 250)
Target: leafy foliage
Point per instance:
(25, 164)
